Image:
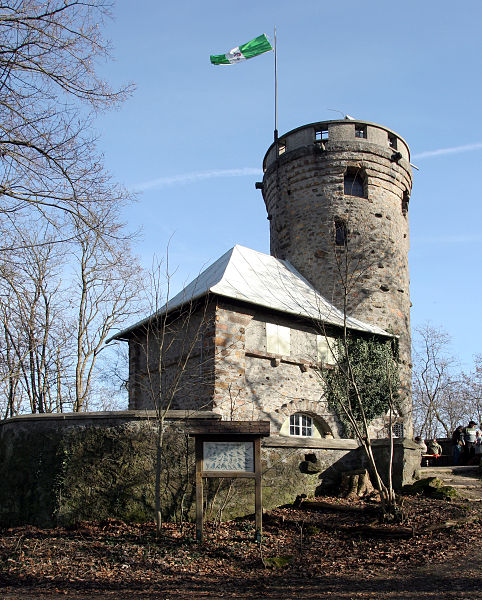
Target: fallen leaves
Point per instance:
(321, 545)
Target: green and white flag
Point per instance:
(257, 46)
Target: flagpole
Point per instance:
(275, 90)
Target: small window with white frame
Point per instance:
(278, 339)
(301, 425)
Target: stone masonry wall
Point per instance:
(253, 384)
(303, 190)
(61, 469)
(187, 362)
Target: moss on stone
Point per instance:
(29, 472)
(432, 487)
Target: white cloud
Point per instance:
(186, 178)
(441, 151)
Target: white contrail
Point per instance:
(440, 151)
(450, 239)
(185, 178)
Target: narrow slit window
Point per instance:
(281, 147)
(405, 200)
(392, 141)
(340, 233)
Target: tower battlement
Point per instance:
(329, 134)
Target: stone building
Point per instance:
(245, 341)
(244, 338)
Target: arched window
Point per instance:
(354, 183)
(301, 425)
(304, 425)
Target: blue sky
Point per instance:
(192, 137)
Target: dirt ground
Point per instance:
(339, 550)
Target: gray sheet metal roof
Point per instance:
(260, 279)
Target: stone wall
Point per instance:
(303, 190)
(183, 349)
(60, 469)
(252, 383)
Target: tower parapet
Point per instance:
(337, 196)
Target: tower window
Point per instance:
(321, 134)
(281, 147)
(301, 425)
(340, 233)
(354, 183)
(360, 131)
(392, 141)
(405, 200)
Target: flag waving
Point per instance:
(257, 46)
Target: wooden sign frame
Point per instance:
(230, 433)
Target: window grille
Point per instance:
(397, 430)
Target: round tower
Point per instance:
(337, 196)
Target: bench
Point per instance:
(430, 460)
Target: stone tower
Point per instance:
(337, 196)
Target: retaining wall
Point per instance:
(61, 469)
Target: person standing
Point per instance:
(458, 443)
(470, 434)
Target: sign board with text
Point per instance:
(230, 449)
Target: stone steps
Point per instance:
(467, 480)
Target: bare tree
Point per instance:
(107, 286)
(31, 309)
(53, 181)
(49, 94)
(438, 404)
(172, 344)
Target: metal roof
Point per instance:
(262, 280)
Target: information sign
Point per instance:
(228, 456)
